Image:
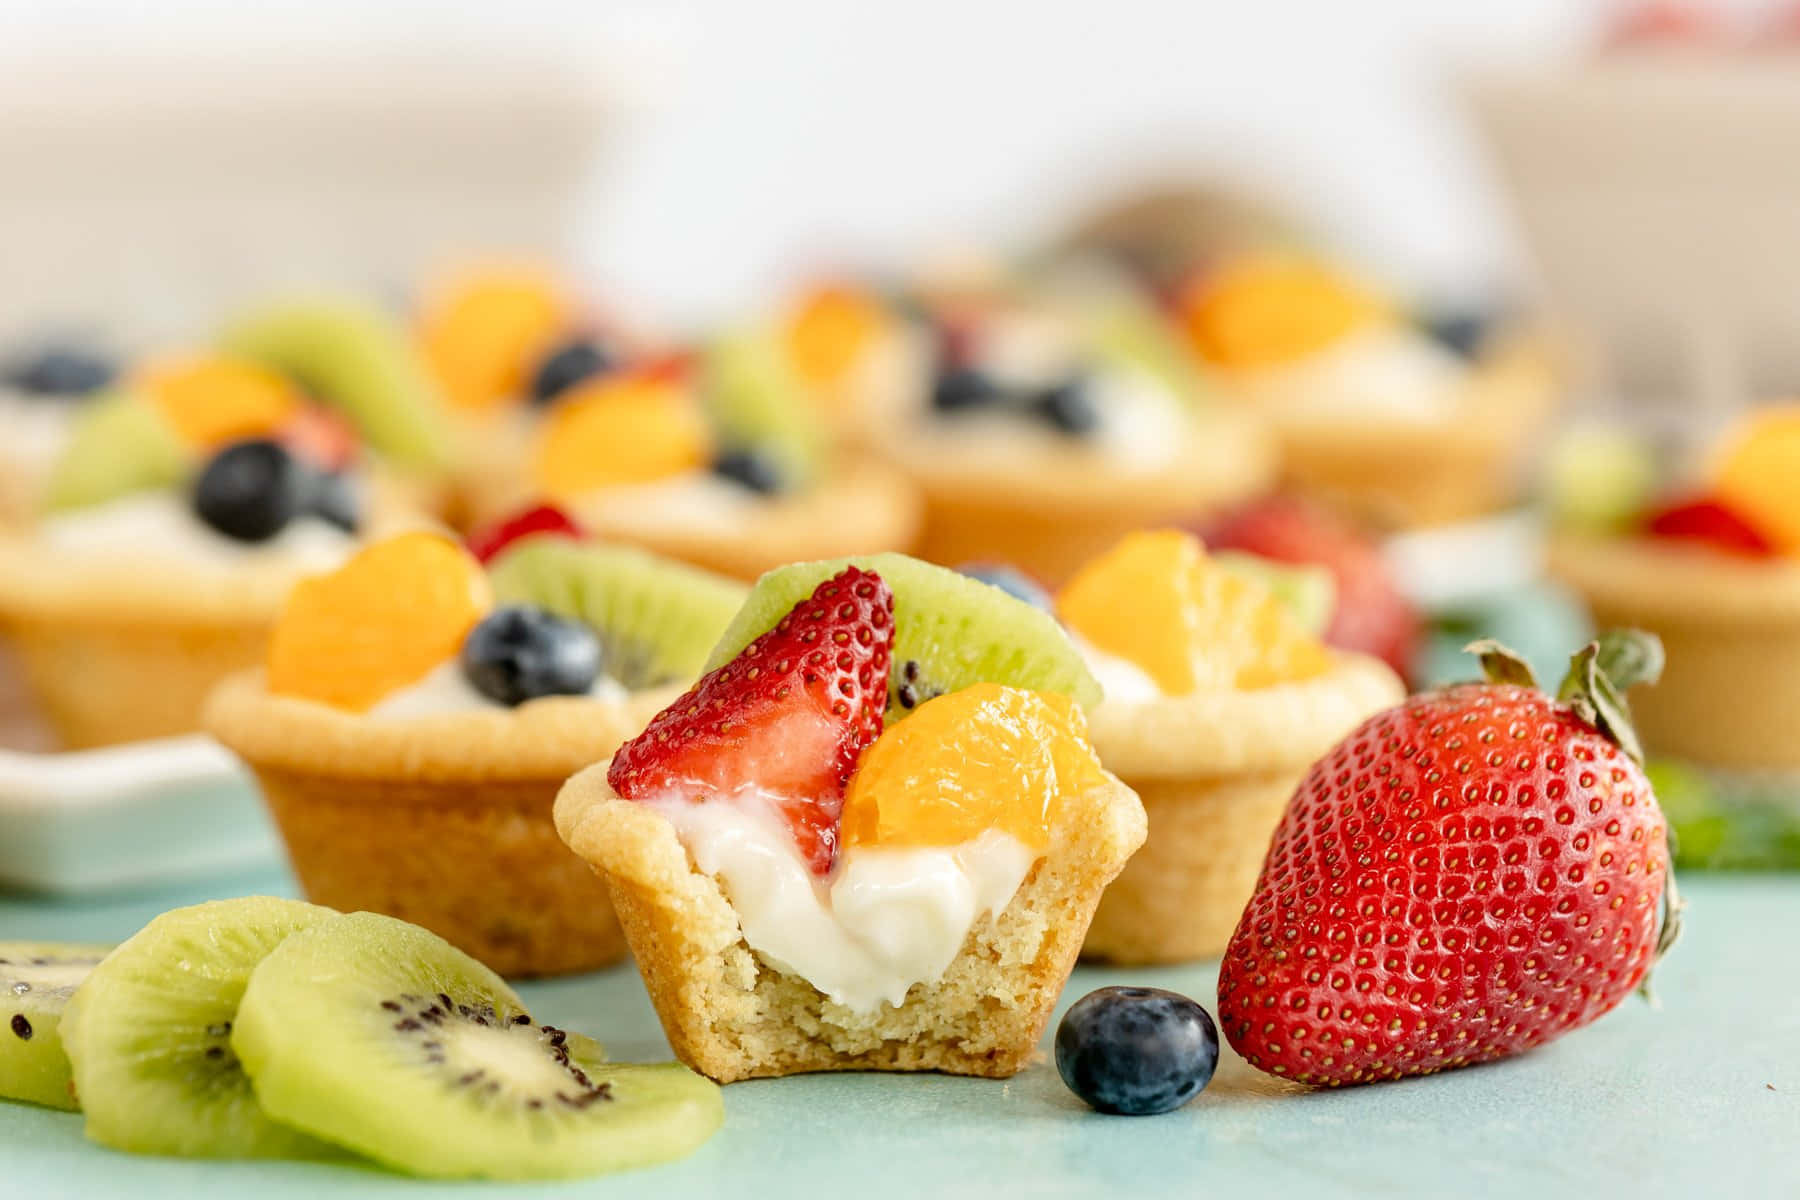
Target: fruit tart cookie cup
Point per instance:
(1713, 569)
(1042, 428)
(1217, 701)
(1371, 413)
(715, 458)
(809, 885)
(417, 715)
(175, 520)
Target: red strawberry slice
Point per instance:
(485, 544)
(1707, 520)
(790, 716)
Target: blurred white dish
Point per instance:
(128, 816)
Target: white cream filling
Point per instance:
(692, 502)
(1388, 371)
(37, 428)
(160, 525)
(446, 689)
(1121, 680)
(886, 919)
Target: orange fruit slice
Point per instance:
(1758, 474)
(1264, 312)
(617, 430)
(383, 620)
(986, 757)
(1156, 600)
(211, 401)
(829, 331)
(485, 332)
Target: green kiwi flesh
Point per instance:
(383, 1038)
(656, 619)
(36, 981)
(950, 631)
(120, 444)
(1308, 589)
(148, 1034)
(358, 360)
(757, 403)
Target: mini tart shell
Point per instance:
(1730, 691)
(1402, 474)
(732, 1016)
(1049, 506)
(1215, 772)
(440, 820)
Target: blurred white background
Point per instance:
(761, 138)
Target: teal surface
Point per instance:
(1698, 1097)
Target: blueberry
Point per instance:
(567, 366)
(1010, 580)
(752, 468)
(334, 497)
(961, 389)
(251, 490)
(1069, 406)
(520, 653)
(61, 371)
(1136, 1051)
(1460, 331)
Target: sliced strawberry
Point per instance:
(1707, 520)
(790, 716)
(322, 436)
(488, 542)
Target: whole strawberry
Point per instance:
(1464, 877)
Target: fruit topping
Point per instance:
(1598, 479)
(1156, 600)
(756, 402)
(753, 469)
(251, 490)
(1368, 613)
(215, 401)
(485, 333)
(1524, 903)
(830, 331)
(149, 1034)
(1068, 406)
(36, 981)
(567, 365)
(60, 372)
(120, 444)
(519, 653)
(656, 619)
(322, 436)
(950, 631)
(1712, 522)
(486, 544)
(1462, 331)
(1010, 580)
(987, 757)
(965, 389)
(382, 1038)
(1264, 312)
(1756, 474)
(789, 716)
(356, 359)
(620, 429)
(383, 620)
(1136, 1051)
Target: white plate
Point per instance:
(128, 816)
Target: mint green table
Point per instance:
(1700, 1098)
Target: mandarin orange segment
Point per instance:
(986, 757)
(1263, 312)
(383, 620)
(211, 401)
(484, 333)
(1157, 601)
(620, 430)
(831, 328)
(1758, 474)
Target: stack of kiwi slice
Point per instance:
(262, 1027)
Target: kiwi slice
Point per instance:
(120, 444)
(756, 403)
(1120, 326)
(36, 981)
(656, 619)
(381, 1037)
(359, 360)
(148, 1034)
(1308, 589)
(950, 631)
